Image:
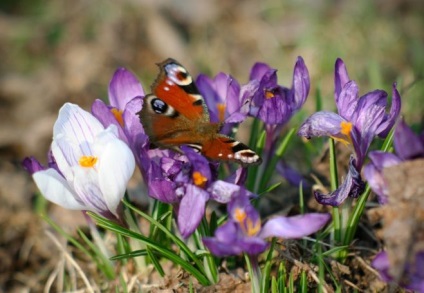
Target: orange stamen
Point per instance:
(199, 179)
(345, 130)
(253, 228)
(87, 161)
(239, 215)
(118, 116)
(269, 94)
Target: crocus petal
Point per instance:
(207, 90)
(341, 77)
(376, 181)
(407, 144)
(383, 160)
(321, 123)
(87, 189)
(79, 126)
(347, 100)
(294, 227)
(103, 113)
(66, 155)
(115, 168)
(352, 186)
(223, 192)
(373, 173)
(32, 165)
(160, 187)
(259, 70)
(228, 88)
(225, 241)
(370, 112)
(253, 245)
(133, 128)
(55, 188)
(192, 209)
(300, 85)
(382, 264)
(123, 87)
(275, 110)
(385, 127)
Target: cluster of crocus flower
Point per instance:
(358, 121)
(262, 97)
(186, 181)
(408, 147)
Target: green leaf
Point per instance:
(165, 252)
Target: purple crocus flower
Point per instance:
(125, 98)
(358, 121)
(408, 146)
(224, 100)
(187, 182)
(275, 104)
(243, 232)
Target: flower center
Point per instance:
(199, 179)
(87, 161)
(345, 131)
(248, 226)
(346, 128)
(269, 94)
(239, 215)
(118, 116)
(252, 227)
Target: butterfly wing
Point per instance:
(171, 114)
(225, 148)
(176, 114)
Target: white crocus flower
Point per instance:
(93, 165)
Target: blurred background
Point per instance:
(52, 52)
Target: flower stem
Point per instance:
(334, 184)
(254, 272)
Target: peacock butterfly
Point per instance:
(176, 114)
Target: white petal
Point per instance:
(66, 156)
(86, 185)
(78, 126)
(103, 138)
(115, 168)
(55, 188)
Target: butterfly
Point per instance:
(175, 114)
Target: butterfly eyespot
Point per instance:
(178, 74)
(159, 106)
(182, 75)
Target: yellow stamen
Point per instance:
(253, 228)
(269, 94)
(221, 112)
(239, 215)
(87, 161)
(118, 116)
(199, 179)
(345, 130)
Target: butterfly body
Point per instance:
(176, 114)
